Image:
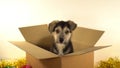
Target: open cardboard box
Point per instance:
(39, 40)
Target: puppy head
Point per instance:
(61, 30)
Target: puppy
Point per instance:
(62, 32)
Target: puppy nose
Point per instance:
(61, 40)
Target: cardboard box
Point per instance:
(39, 40)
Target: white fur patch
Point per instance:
(60, 48)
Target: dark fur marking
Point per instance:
(62, 24)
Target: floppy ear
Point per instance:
(72, 25)
(52, 25)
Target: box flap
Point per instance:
(83, 40)
(41, 53)
(87, 50)
(35, 51)
(84, 37)
(40, 36)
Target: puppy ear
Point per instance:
(52, 25)
(72, 25)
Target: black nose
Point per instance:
(61, 40)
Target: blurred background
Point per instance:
(96, 14)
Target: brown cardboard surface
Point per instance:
(87, 50)
(37, 52)
(79, 61)
(83, 40)
(82, 61)
(37, 35)
(47, 63)
(40, 36)
(41, 53)
(85, 37)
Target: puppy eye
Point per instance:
(66, 32)
(57, 31)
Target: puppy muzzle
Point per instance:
(61, 40)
